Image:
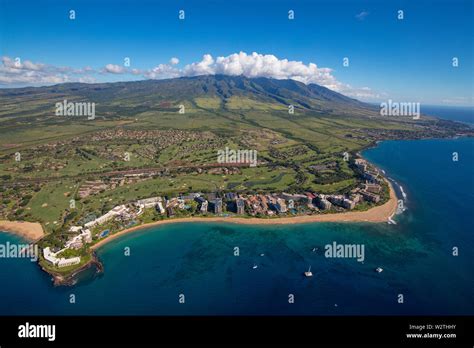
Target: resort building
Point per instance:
(264, 203)
(240, 206)
(310, 196)
(356, 198)
(372, 176)
(190, 196)
(291, 204)
(78, 241)
(49, 256)
(75, 228)
(373, 188)
(148, 202)
(217, 206)
(281, 206)
(361, 164)
(342, 201)
(173, 202)
(159, 208)
(170, 211)
(69, 262)
(60, 262)
(323, 203)
(204, 206)
(118, 210)
(370, 197)
(230, 196)
(348, 204)
(199, 199)
(295, 197)
(336, 200)
(76, 244)
(87, 236)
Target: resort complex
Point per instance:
(372, 190)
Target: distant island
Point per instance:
(84, 163)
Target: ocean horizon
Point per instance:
(464, 114)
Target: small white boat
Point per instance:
(314, 249)
(379, 269)
(308, 273)
(262, 254)
(255, 266)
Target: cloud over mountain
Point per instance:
(260, 65)
(248, 65)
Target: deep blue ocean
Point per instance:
(463, 114)
(197, 259)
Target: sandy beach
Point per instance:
(376, 214)
(31, 231)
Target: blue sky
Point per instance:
(406, 60)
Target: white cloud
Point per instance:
(204, 67)
(268, 65)
(362, 93)
(114, 69)
(249, 65)
(18, 72)
(18, 64)
(86, 79)
(361, 16)
(162, 71)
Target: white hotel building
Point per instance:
(60, 262)
(148, 202)
(118, 210)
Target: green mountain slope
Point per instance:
(222, 91)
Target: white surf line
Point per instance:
(391, 221)
(400, 209)
(403, 193)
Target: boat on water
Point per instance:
(308, 273)
(379, 269)
(255, 266)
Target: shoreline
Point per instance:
(376, 214)
(31, 231)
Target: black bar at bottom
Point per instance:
(416, 330)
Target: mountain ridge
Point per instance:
(275, 92)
